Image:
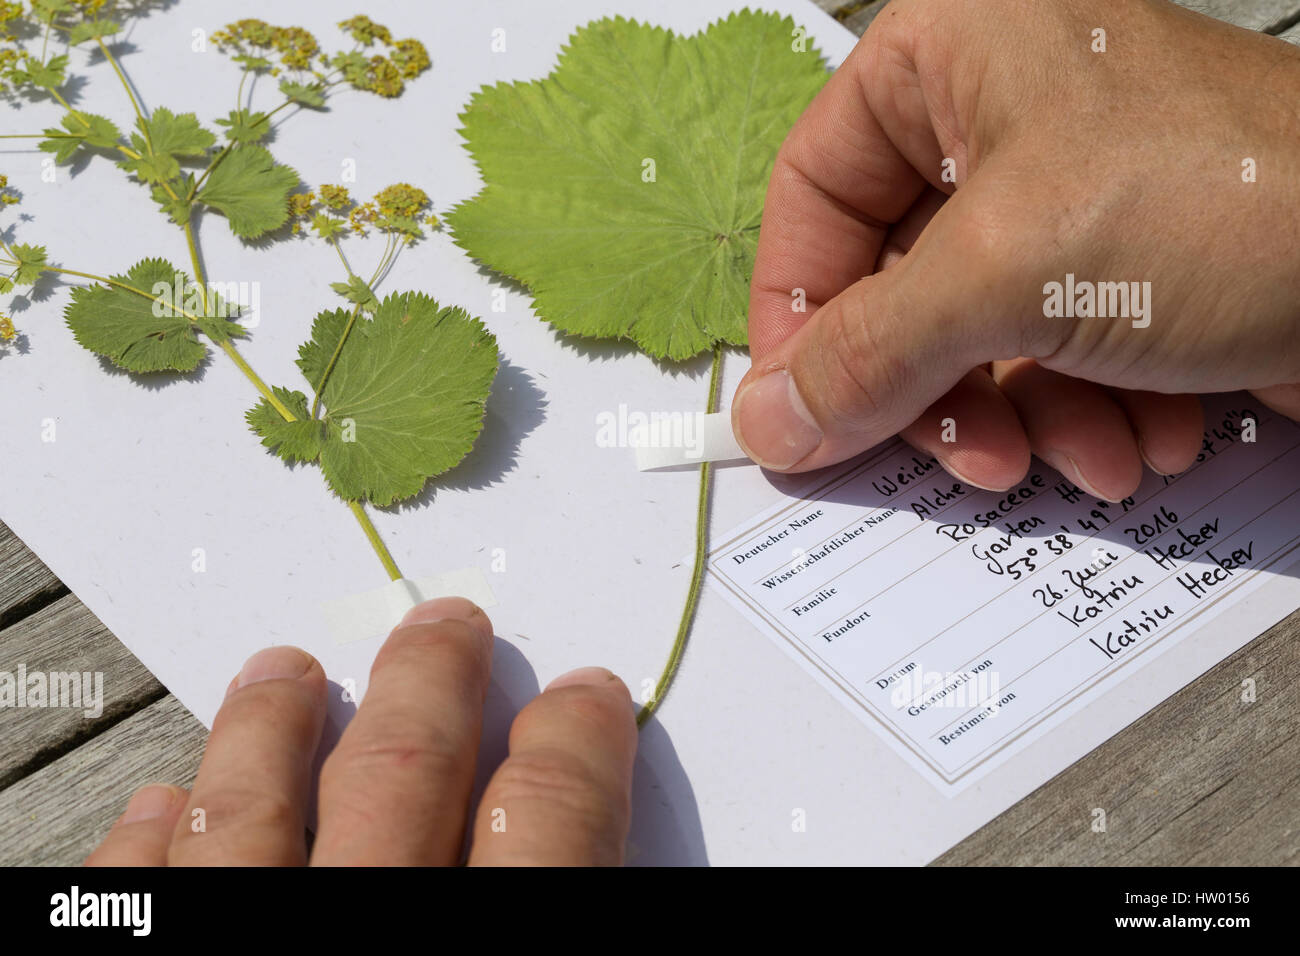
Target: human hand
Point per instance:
(395, 791)
(1116, 166)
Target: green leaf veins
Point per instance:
(139, 324)
(404, 397)
(626, 188)
(251, 190)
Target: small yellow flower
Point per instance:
(335, 197)
(365, 31)
(295, 45)
(300, 205)
(401, 200)
(256, 33)
(410, 57)
(383, 77)
(361, 217)
(7, 331)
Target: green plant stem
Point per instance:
(342, 258)
(227, 346)
(132, 154)
(130, 94)
(320, 386)
(119, 285)
(375, 541)
(196, 264)
(388, 245)
(358, 511)
(216, 160)
(697, 573)
(390, 256)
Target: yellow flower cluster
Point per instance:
(296, 46)
(401, 200)
(7, 198)
(300, 204)
(365, 31)
(335, 197)
(381, 73)
(400, 208)
(9, 54)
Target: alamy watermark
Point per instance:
(636, 429)
(76, 690)
(211, 300)
(1082, 299)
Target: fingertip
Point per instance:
(772, 422)
(988, 472)
(449, 609)
(590, 677)
(281, 662)
(151, 802)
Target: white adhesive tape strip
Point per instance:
(358, 617)
(685, 439)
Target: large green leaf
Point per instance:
(403, 400)
(143, 327)
(251, 190)
(610, 245)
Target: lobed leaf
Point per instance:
(141, 323)
(626, 188)
(404, 400)
(251, 190)
(294, 441)
(243, 126)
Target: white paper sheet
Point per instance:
(964, 624)
(580, 549)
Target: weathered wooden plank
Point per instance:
(64, 637)
(25, 583)
(59, 814)
(1205, 778)
(1251, 14)
(1267, 15)
(858, 16)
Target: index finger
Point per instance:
(837, 185)
(396, 788)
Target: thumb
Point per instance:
(872, 359)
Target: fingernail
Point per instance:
(274, 663)
(448, 609)
(773, 423)
(589, 676)
(966, 481)
(150, 802)
(1142, 452)
(1068, 467)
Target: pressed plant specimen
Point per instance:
(625, 190)
(395, 387)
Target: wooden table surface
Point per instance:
(1204, 778)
